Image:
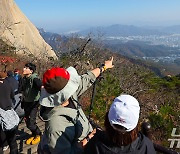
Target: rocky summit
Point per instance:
(18, 31)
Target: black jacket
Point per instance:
(6, 95)
(100, 144)
(13, 82)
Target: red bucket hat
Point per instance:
(59, 85)
(55, 79)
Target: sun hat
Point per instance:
(55, 79)
(59, 85)
(124, 111)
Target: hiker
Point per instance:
(13, 82)
(31, 86)
(65, 122)
(7, 134)
(121, 133)
(18, 77)
(18, 94)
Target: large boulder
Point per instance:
(18, 31)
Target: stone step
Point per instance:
(22, 134)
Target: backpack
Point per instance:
(8, 119)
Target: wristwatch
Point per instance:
(87, 138)
(102, 68)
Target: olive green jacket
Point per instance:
(30, 92)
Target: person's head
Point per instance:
(29, 69)
(9, 73)
(59, 85)
(16, 71)
(122, 119)
(3, 75)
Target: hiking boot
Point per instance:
(36, 139)
(29, 140)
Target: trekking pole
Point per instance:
(80, 50)
(93, 95)
(17, 105)
(92, 99)
(94, 125)
(83, 47)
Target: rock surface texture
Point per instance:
(18, 31)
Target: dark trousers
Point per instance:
(3, 141)
(10, 138)
(30, 118)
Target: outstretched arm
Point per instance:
(89, 78)
(107, 64)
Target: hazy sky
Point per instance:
(66, 15)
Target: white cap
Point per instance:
(124, 111)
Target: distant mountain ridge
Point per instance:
(175, 29)
(53, 39)
(130, 30)
(130, 48)
(140, 49)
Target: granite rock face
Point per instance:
(17, 30)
